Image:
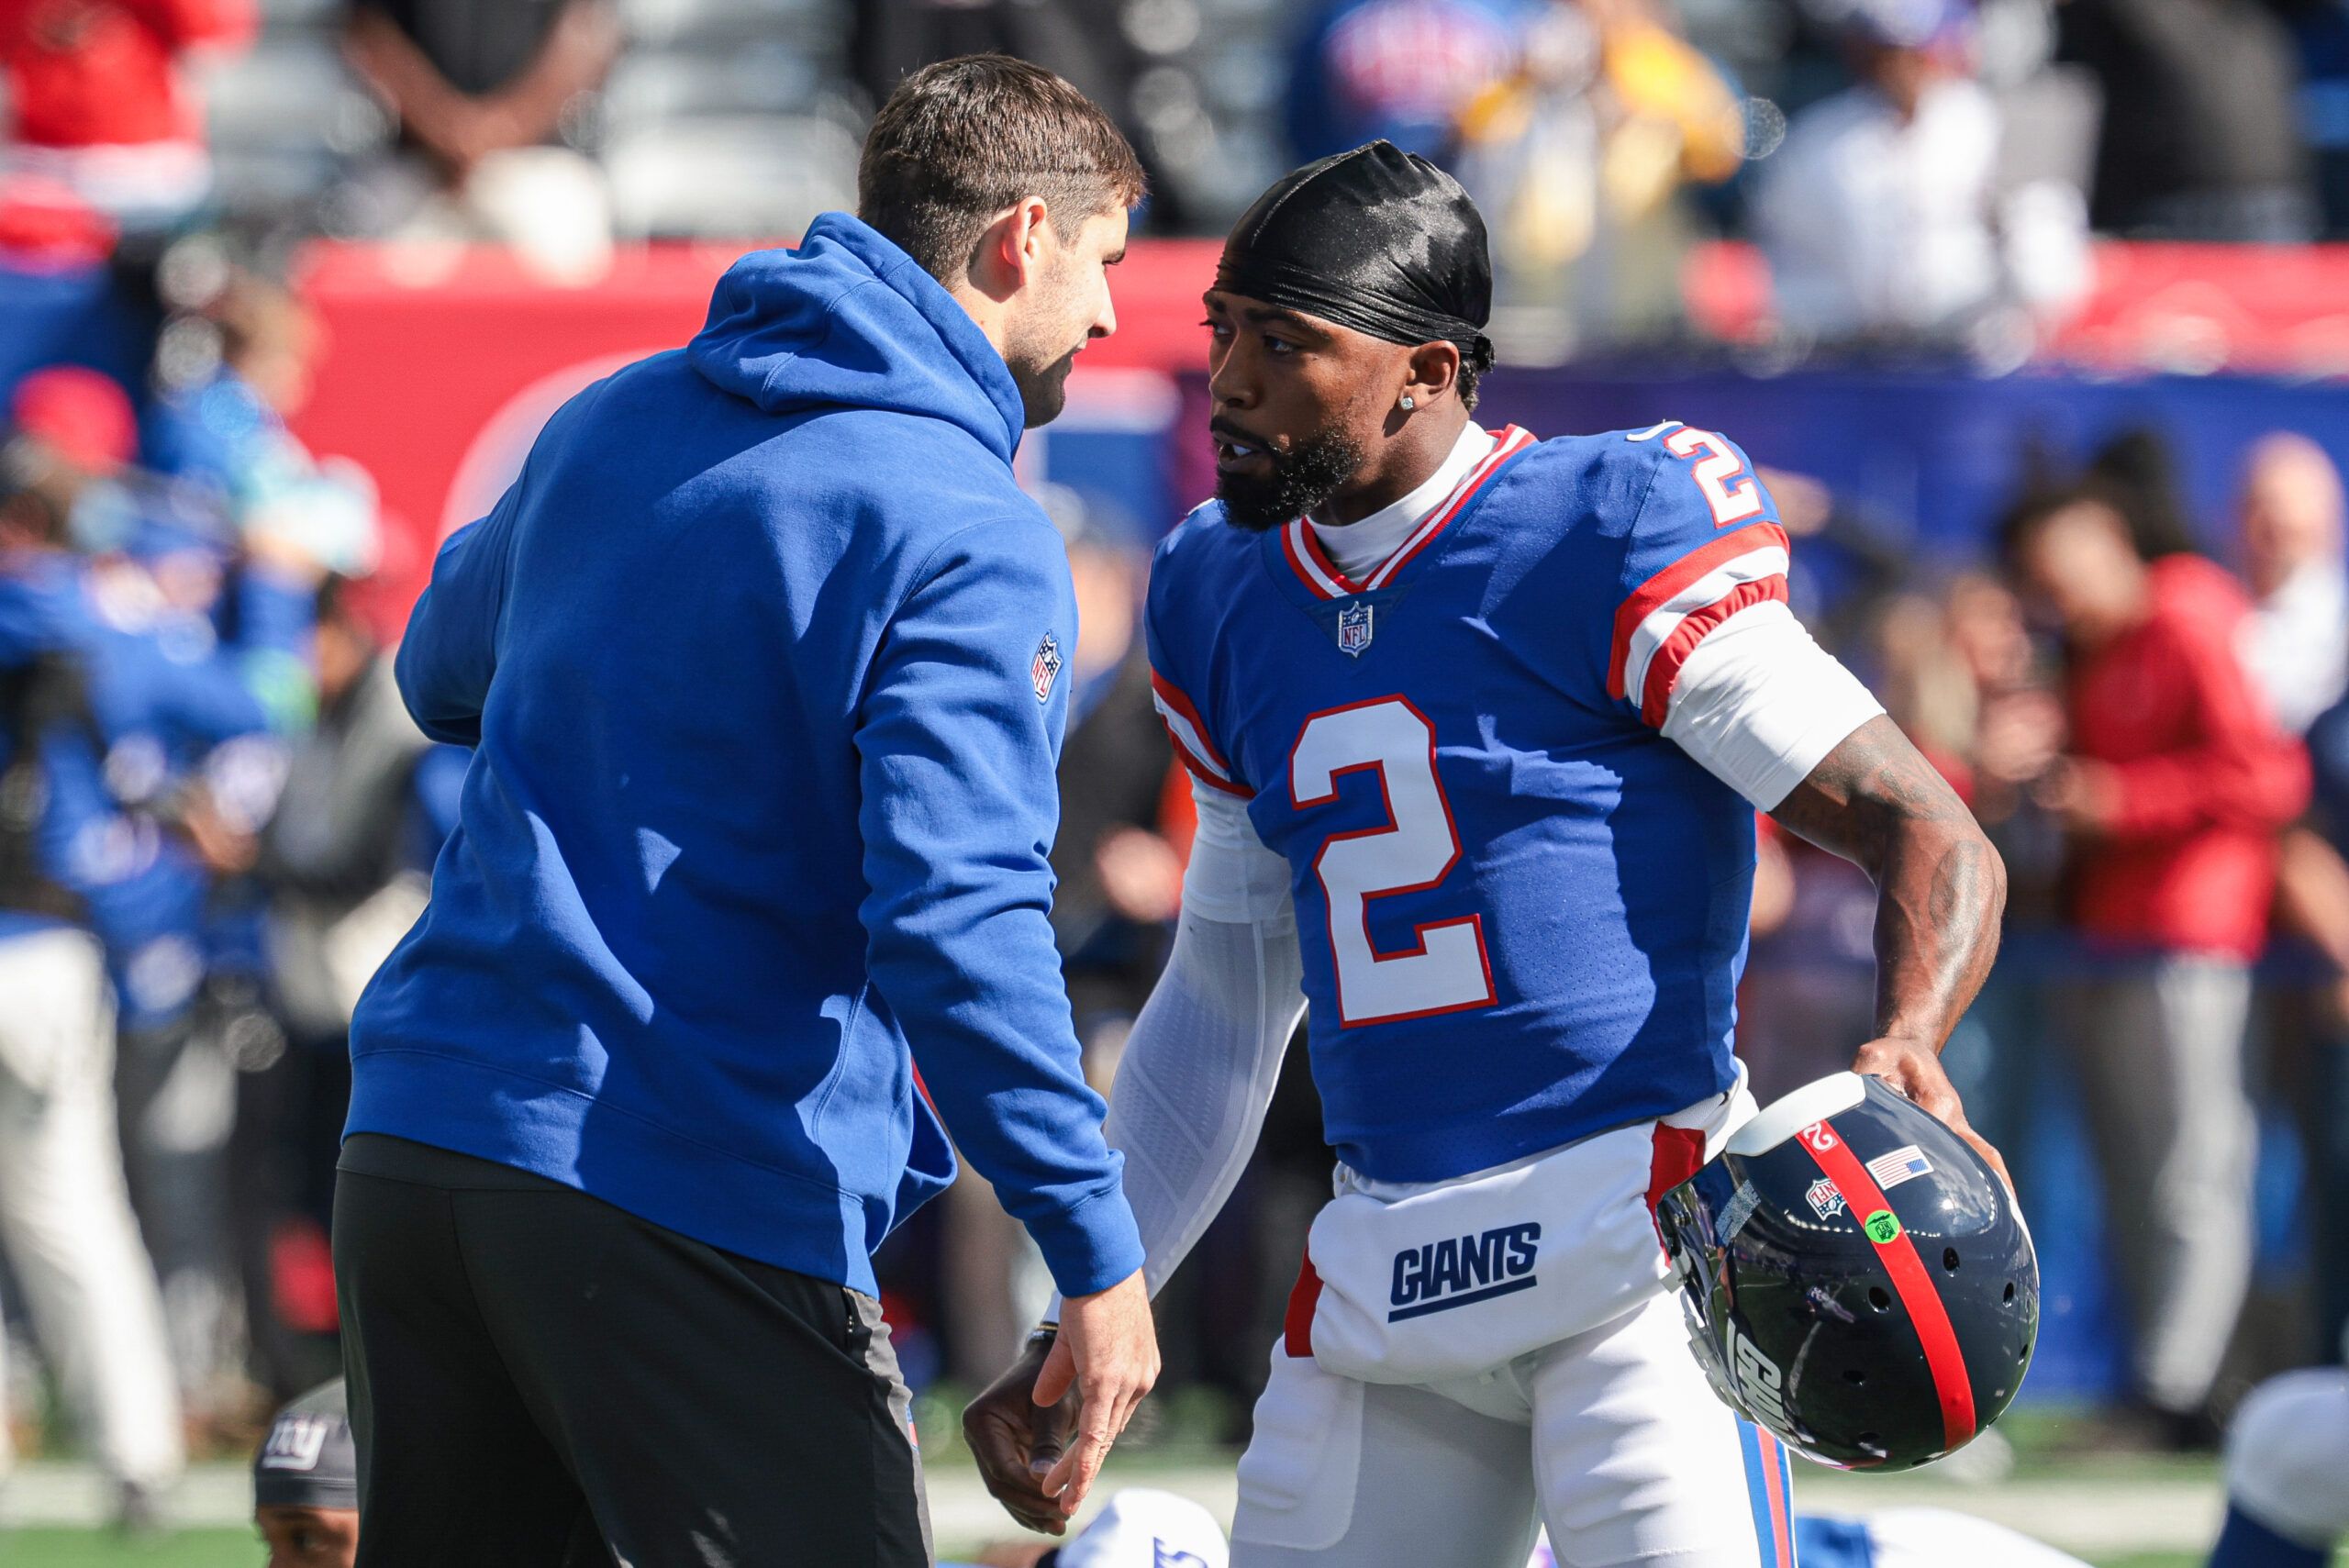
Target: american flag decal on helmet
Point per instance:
(1904, 1163)
(1045, 668)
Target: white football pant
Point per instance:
(65, 1213)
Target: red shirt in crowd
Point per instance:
(2201, 778)
(101, 72)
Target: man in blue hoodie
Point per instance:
(762, 657)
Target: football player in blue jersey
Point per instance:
(2288, 1471)
(1479, 725)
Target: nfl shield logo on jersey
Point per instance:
(1046, 667)
(1353, 629)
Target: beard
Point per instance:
(1313, 470)
(1042, 346)
(1043, 390)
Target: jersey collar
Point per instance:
(1474, 459)
(1361, 548)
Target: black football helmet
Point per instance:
(1857, 1278)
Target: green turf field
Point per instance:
(237, 1548)
(91, 1549)
(224, 1548)
(2113, 1510)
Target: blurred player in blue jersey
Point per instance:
(1479, 725)
(2288, 1471)
(1904, 1537)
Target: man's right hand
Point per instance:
(1084, 1382)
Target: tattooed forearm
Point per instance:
(1941, 887)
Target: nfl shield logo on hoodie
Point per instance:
(1046, 667)
(1353, 629)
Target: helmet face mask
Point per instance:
(1856, 1279)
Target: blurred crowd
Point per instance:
(2156, 740)
(215, 818)
(1912, 170)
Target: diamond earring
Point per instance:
(1408, 404)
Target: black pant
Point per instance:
(537, 1378)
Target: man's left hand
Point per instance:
(1914, 1068)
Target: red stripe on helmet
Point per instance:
(1910, 1279)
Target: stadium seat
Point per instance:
(290, 95)
(282, 182)
(651, 87)
(279, 14)
(730, 177)
(671, 22)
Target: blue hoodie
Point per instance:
(762, 657)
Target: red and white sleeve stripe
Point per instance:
(1193, 745)
(1665, 617)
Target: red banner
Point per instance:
(441, 363)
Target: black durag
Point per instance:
(1379, 239)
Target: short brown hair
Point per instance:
(963, 139)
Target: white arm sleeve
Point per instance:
(1760, 704)
(1199, 1066)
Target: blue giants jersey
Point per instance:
(1522, 909)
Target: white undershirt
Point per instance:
(1357, 549)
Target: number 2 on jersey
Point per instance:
(1449, 969)
(1731, 501)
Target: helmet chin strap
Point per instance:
(1789, 1114)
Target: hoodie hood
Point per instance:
(850, 320)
